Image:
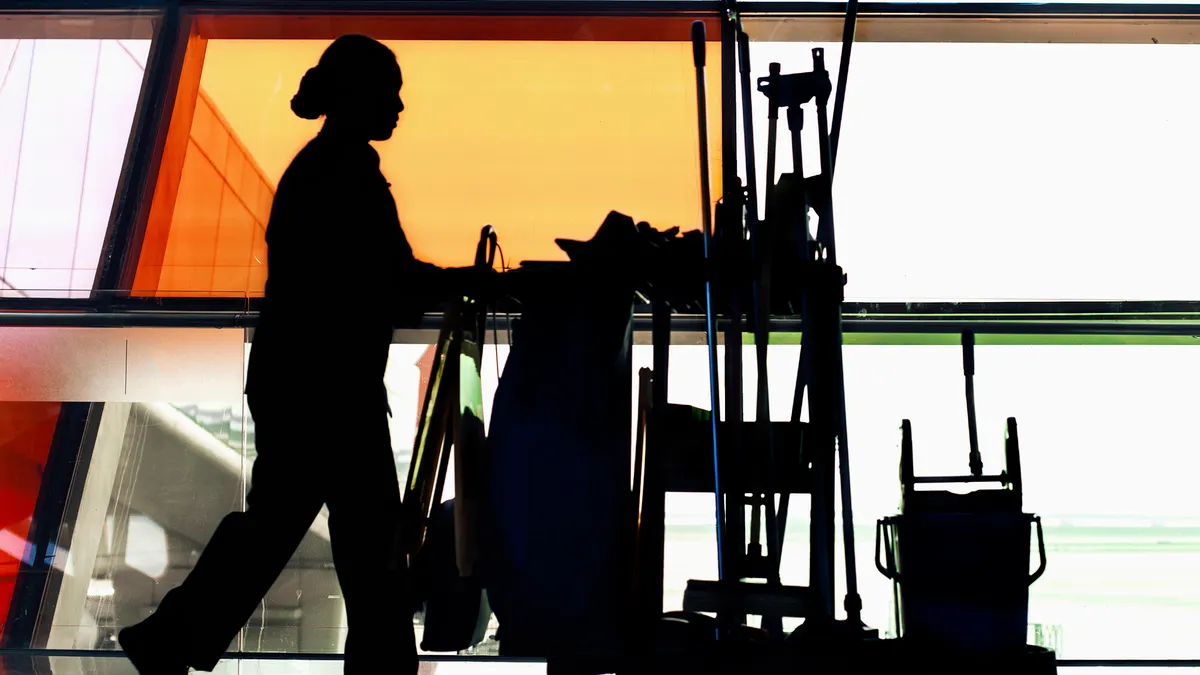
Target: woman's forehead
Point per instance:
(391, 74)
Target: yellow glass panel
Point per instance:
(235, 167)
(539, 137)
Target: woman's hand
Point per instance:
(477, 282)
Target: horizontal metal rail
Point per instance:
(613, 7)
(679, 324)
(1024, 310)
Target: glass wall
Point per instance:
(114, 478)
(979, 160)
(100, 518)
(1107, 451)
(537, 125)
(1005, 171)
(165, 451)
(69, 89)
(218, 228)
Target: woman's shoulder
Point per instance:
(322, 161)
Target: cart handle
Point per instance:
(888, 572)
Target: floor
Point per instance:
(59, 662)
(67, 662)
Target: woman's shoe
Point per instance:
(151, 651)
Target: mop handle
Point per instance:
(752, 213)
(699, 37)
(839, 98)
(968, 343)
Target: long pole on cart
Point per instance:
(853, 600)
(828, 146)
(699, 37)
(839, 97)
(825, 227)
(761, 322)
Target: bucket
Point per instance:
(963, 576)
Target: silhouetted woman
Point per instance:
(341, 276)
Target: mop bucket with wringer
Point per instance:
(960, 562)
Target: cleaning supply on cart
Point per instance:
(559, 442)
(960, 561)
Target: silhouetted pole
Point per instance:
(699, 36)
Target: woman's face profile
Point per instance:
(372, 105)
(386, 105)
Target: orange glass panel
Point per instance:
(210, 237)
(235, 232)
(540, 136)
(258, 262)
(193, 240)
(26, 431)
(209, 134)
(150, 248)
(235, 241)
(191, 248)
(265, 196)
(253, 188)
(235, 167)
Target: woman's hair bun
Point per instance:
(312, 98)
(349, 62)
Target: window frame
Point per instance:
(776, 21)
(865, 323)
(198, 21)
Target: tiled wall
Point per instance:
(220, 184)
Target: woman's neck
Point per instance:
(341, 132)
